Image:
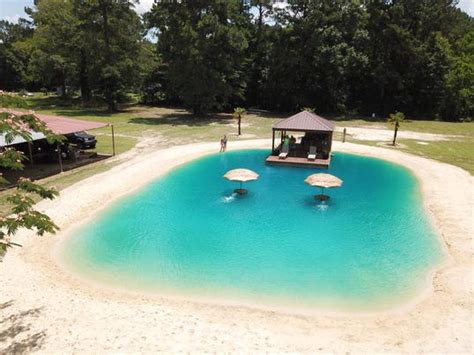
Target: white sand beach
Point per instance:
(386, 135)
(44, 308)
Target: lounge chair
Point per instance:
(285, 149)
(312, 153)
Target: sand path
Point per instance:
(386, 135)
(44, 308)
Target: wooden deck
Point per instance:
(296, 161)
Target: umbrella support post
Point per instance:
(240, 176)
(240, 190)
(323, 181)
(322, 196)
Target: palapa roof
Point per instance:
(323, 180)
(241, 175)
(305, 121)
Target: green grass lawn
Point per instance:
(60, 181)
(456, 152)
(172, 126)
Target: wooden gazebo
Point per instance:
(311, 147)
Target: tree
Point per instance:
(459, 102)
(91, 45)
(23, 214)
(410, 55)
(318, 55)
(258, 50)
(117, 50)
(202, 45)
(342, 56)
(54, 44)
(152, 85)
(14, 54)
(395, 119)
(238, 113)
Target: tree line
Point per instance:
(338, 56)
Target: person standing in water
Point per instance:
(224, 141)
(223, 144)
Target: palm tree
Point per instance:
(238, 113)
(395, 119)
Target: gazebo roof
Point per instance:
(305, 121)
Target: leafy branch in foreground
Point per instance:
(22, 213)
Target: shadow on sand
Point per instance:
(15, 331)
(184, 119)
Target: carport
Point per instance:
(58, 125)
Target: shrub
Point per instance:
(12, 101)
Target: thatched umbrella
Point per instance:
(323, 181)
(241, 175)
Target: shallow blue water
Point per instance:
(370, 246)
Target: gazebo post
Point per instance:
(113, 140)
(60, 158)
(30, 152)
(273, 141)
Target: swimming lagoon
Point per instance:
(370, 247)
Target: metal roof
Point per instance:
(63, 125)
(57, 124)
(305, 121)
(17, 140)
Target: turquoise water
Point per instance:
(370, 246)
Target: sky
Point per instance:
(12, 10)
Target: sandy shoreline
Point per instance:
(47, 309)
